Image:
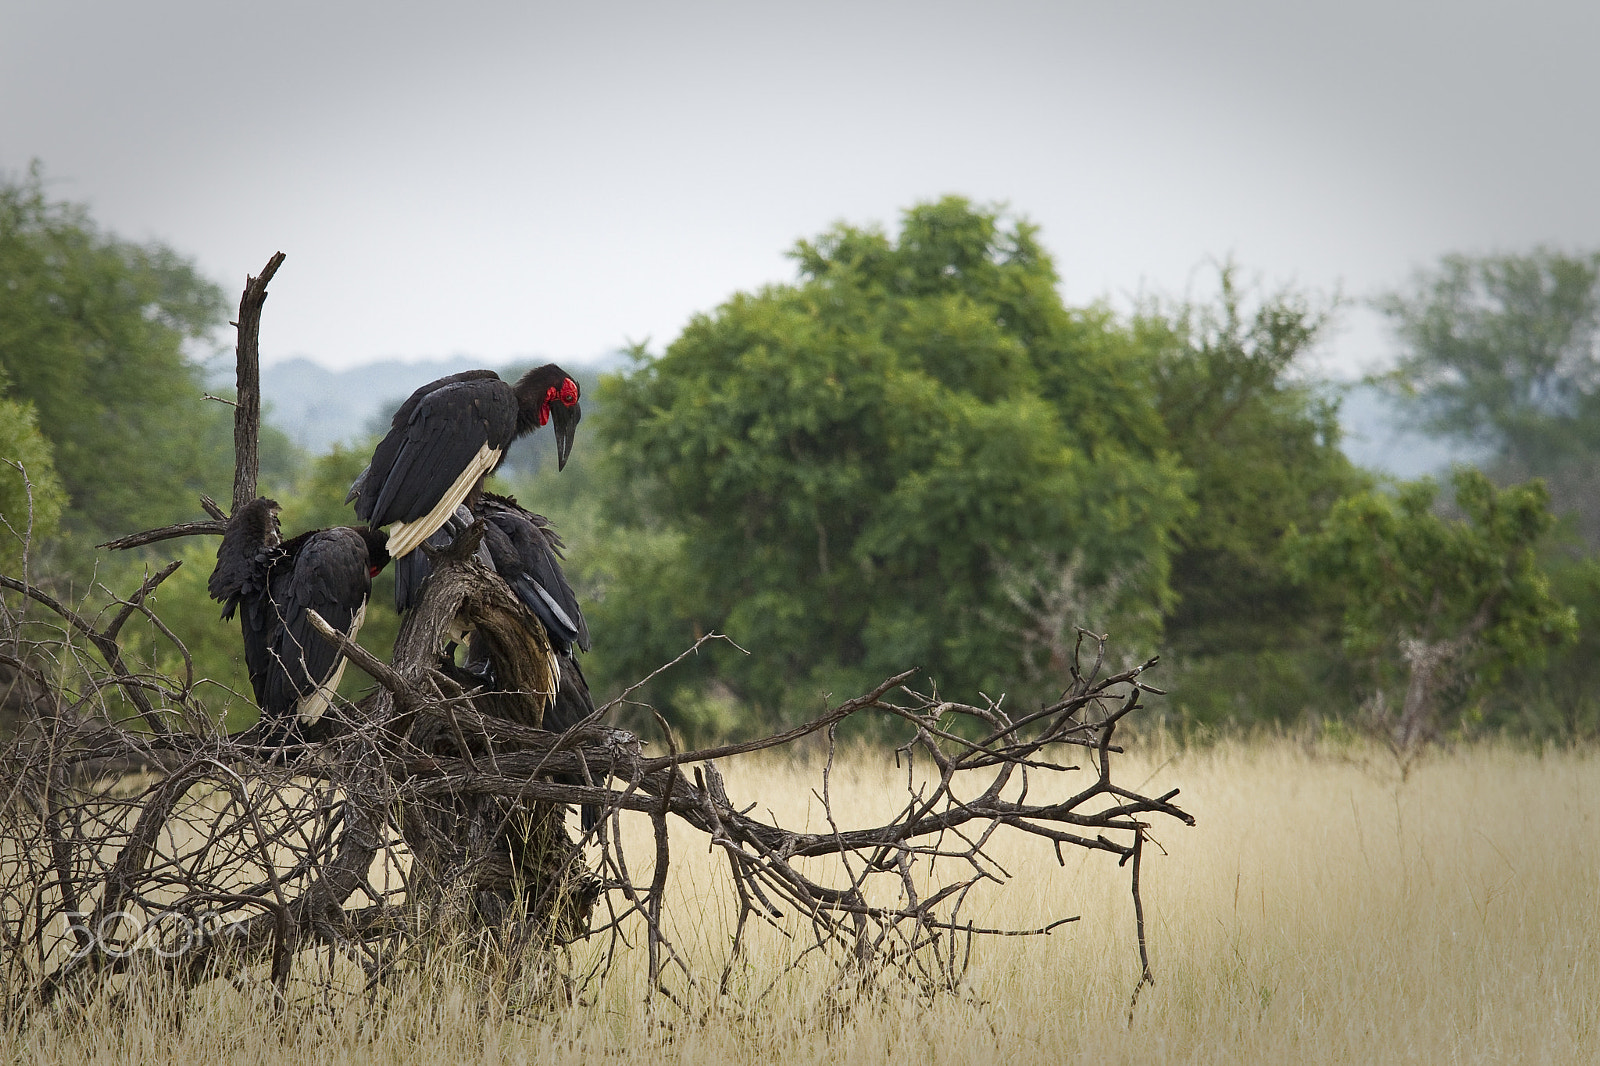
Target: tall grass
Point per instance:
(1322, 911)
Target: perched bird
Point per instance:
(294, 671)
(525, 551)
(447, 437)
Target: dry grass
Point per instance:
(1322, 911)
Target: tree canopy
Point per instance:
(1502, 350)
(93, 334)
(1439, 600)
(1262, 442)
(1259, 435)
(913, 454)
(860, 470)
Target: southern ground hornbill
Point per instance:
(526, 552)
(446, 437)
(274, 584)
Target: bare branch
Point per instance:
(152, 536)
(247, 413)
(405, 695)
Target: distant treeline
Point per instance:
(915, 454)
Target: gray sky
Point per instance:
(506, 179)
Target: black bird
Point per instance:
(293, 669)
(526, 552)
(447, 437)
(572, 705)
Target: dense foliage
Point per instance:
(916, 453)
(1448, 604)
(1260, 439)
(1502, 352)
(93, 333)
(877, 465)
(30, 490)
(102, 403)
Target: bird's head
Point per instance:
(251, 535)
(377, 549)
(257, 522)
(547, 394)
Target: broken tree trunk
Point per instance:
(512, 861)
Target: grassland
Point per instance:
(1323, 910)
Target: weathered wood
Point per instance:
(247, 413)
(153, 536)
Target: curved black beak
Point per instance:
(564, 421)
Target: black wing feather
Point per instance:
(525, 554)
(572, 705)
(364, 490)
(412, 569)
(326, 572)
(245, 559)
(435, 435)
(247, 548)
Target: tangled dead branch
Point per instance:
(156, 845)
(429, 812)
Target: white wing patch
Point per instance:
(310, 708)
(405, 536)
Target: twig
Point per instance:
(405, 694)
(152, 536)
(691, 650)
(1145, 976)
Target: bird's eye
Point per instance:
(569, 391)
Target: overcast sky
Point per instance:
(505, 179)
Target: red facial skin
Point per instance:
(567, 394)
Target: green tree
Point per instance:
(1558, 699)
(882, 464)
(31, 496)
(1503, 352)
(93, 332)
(1440, 604)
(1261, 440)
